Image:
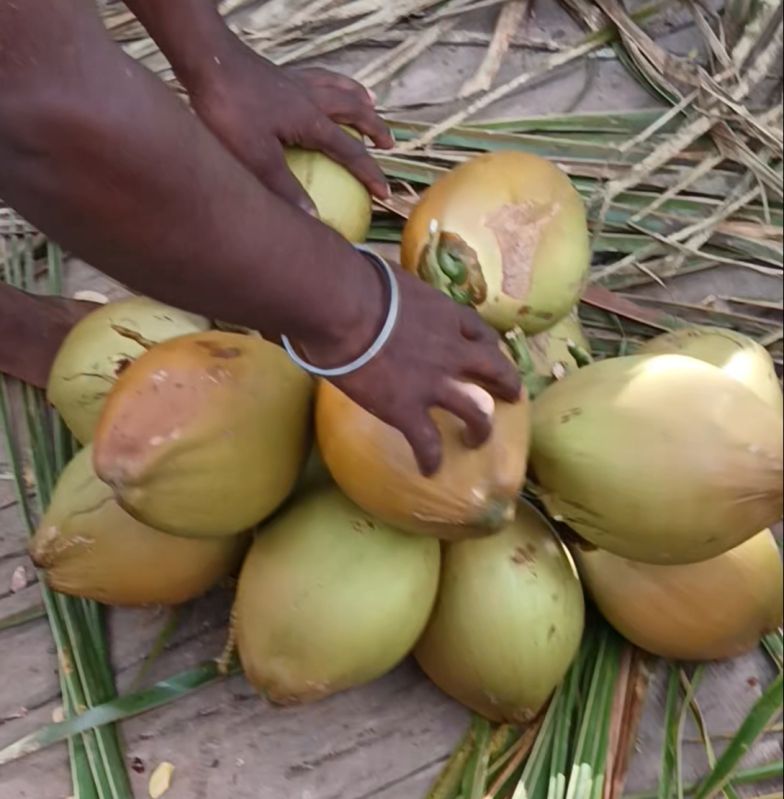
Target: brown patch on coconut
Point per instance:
(517, 229)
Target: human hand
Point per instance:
(256, 109)
(436, 348)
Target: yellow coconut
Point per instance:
(329, 598)
(550, 351)
(205, 434)
(89, 547)
(658, 458)
(507, 622)
(505, 232)
(739, 356)
(719, 608)
(342, 202)
(100, 346)
(473, 493)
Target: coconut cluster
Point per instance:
(208, 453)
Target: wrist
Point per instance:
(199, 61)
(192, 35)
(357, 322)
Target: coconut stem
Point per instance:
(430, 268)
(581, 357)
(497, 513)
(224, 661)
(448, 781)
(446, 270)
(534, 383)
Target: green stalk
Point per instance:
(28, 263)
(691, 691)
(533, 780)
(475, 774)
(123, 707)
(564, 726)
(81, 776)
(774, 646)
(626, 123)
(86, 693)
(670, 747)
(20, 489)
(83, 680)
(590, 702)
(98, 767)
(546, 146)
(604, 720)
(765, 708)
(163, 637)
(447, 783)
(539, 778)
(750, 776)
(22, 617)
(593, 737)
(54, 268)
(502, 748)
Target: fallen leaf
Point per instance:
(160, 779)
(87, 295)
(18, 579)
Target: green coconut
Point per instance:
(329, 598)
(100, 346)
(507, 622)
(505, 232)
(342, 202)
(205, 434)
(718, 608)
(658, 458)
(739, 356)
(89, 546)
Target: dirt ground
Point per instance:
(386, 740)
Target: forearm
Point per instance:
(32, 329)
(191, 33)
(101, 156)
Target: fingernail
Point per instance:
(427, 469)
(372, 95)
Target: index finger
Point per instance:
(353, 108)
(350, 153)
(486, 364)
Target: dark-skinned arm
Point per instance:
(190, 33)
(254, 107)
(102, 157)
